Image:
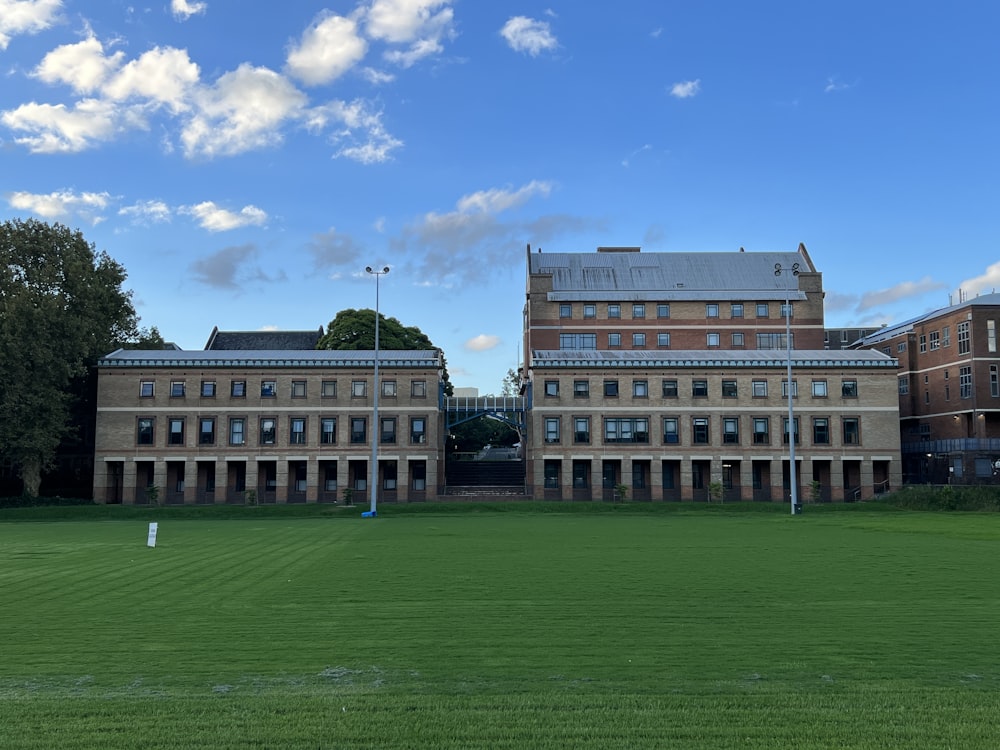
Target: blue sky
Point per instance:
(246, 161)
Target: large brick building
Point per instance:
(948, 390)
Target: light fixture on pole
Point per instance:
(373, 482)
(792, 474)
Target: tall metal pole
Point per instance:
(375, 432)
(792, 473)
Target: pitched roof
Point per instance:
(262, 340)
(325, 358)
(711, 358)
(896, 329)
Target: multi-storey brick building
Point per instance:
(948, 390)
(285, 425)
(667, 372)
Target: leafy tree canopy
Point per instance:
(61, 307)
(355, 329)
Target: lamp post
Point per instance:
(375, 425)
(792, 474)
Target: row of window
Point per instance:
(267, 430)
(614, 310)
(964, 384)
(935, 340)
(269, 388)
(636, 430)
(713, 340)
(700, 389)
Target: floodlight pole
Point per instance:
(375, 425)
(792, 473)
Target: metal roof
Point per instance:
(712, 358)
(263, 340)
(271, 358)
(889, 332)
(666, 276)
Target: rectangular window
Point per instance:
(965, 382)
(177, 389)
(614, 340)
(663, 340)
(328, 431)
(784, 430)
(638, 311)
(297, 431)
(762, 310)
(581, 430)
(638, 340)
(849, 388)
(640, 389)
(784, 389)
(671, 435)
(146, 389)
(737, 340)
(669, 389)
(699, 431)
(736, 310)
(774, 341)
(268, 431)
(819, 389)
(208, 389)
(994, 382)
(328, 389)
(901, 347)
(935, 341)
(590, 311)
(551, 473)
(238, 389)
(614, 311)
(699, 388)
(759, 388)
(626, 430)
(176, 434)
(551, 387)
(565, 311)
(577, 341)
(552, 430)
(418, 430)
(611, 388)
(945, 336)
(711, 310)
(731, 430)
(418, 389)
(852, 431)
(144, 431)
(712, 340)
(387, 434)
(237, 431)
(963, 337)
(786, 311)
(298, 389)
(268, 389)
(991, 335)
(923, 343)
(359, 388)
(388, 388)
(663, 311)
(581, 389)
(359, 430)
(761, 431)
(729, 389)
(206, 431)
(904, 385)
(821, 431)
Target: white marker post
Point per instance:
(151, 537)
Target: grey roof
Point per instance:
(263, 340)
(325, 358)
(889, 332)
(669, 276)
(712, 358)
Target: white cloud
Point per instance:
(162, 75)
(61, 204)
(496, 200)
(421, 24)
(377, 77)
(833, 85)
(82, 66)
(987, 283)
(25, 17)
(147, 212)
(244, 110)
(685, 89)
(361, 135)
(898, 292)
(217, 219)
(482, 343)
(525, 34)
(183, 9)
(56, 128)
(328, 48)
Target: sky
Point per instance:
(246, 161)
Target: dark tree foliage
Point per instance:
(355, 329)
(61, 307)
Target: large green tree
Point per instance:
(61, 307)
(355, 329)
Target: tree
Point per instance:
(61, 307)
(511, 385)
(355, 329)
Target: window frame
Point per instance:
(140, 431)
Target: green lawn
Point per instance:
(699, 629)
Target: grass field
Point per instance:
(688, 629)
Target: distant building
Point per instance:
(842, 338)
(949, 391)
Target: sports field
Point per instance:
(687, 629)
